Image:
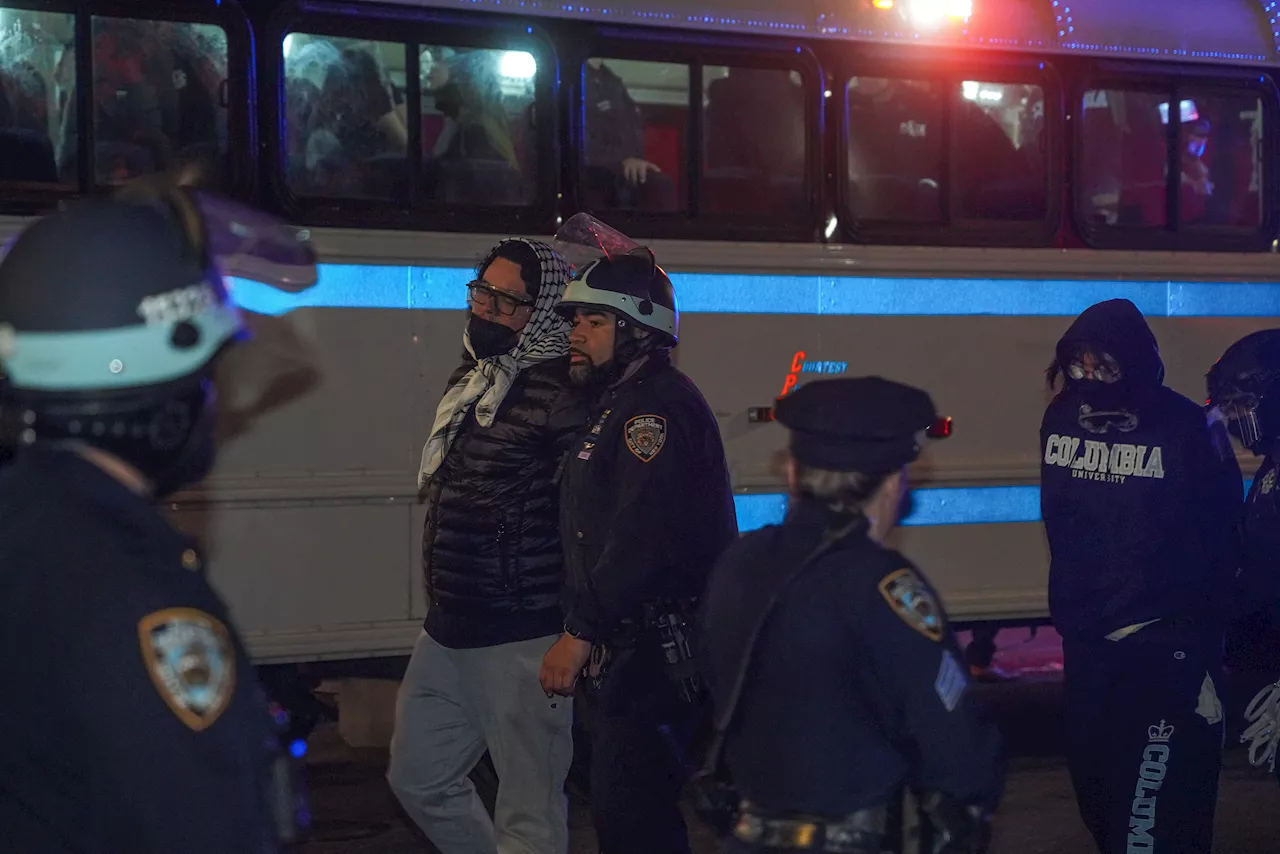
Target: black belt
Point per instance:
(859, 833)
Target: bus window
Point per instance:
(755, 141)
(37, 83)
(479, 144)
(159, 99)
(636, 135)
(345, 130)
(1220, 150)
(1123, 159)
(999, 169)
(895, 155)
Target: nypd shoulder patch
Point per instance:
(191, 661)
(910, 599)
(646, 434)
(950, 682)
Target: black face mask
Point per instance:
(490, 339)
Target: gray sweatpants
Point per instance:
(452, 704)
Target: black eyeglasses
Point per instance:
(480, 294)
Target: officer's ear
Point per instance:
(892, 488)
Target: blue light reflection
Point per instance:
(441, 288)
(978, 505)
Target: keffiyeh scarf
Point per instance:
(544, 337)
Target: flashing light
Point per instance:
(518, 65)
(882, 4)
(298, 749)
(927, 14)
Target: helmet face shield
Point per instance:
(584, 239)
(247, 243)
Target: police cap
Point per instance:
(858, 424)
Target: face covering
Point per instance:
(490, 339)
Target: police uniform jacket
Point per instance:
(131, 716)
(646, 505)
(857, 686)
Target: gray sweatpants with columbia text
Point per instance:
(452, 705)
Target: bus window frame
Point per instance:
(1174, 235)
(241, 93)
(947, 71)
(696, 53)
(413, 28)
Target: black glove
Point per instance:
(953, 827)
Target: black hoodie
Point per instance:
(1141, 496)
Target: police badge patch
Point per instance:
(191, 661)
(911, 600)
(646, 434)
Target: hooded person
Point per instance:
(1140, 496)
(494, 567)
(645, 509)
(1244, 385)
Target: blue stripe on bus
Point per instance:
(943, 505)
(441, 288)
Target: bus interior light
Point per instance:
(518, 65)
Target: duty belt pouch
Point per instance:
(715, 798)
(674, 627)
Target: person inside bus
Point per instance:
(616, 173)
(1141, 498)
(26, 152)
(494, 568)
(473, 158)
(751, 165)
(357, 137)
(895, 149)
(1197, 188)
(305, 67)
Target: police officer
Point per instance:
(1244, 386)
(835, 675)
(646, 508)
(132, 719)
(1141, 498)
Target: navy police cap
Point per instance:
(858, 424)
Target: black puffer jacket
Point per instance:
(491, 548)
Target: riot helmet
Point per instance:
(114, 313)
(614, 274)
(1244, 385)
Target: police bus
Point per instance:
(923, 189)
